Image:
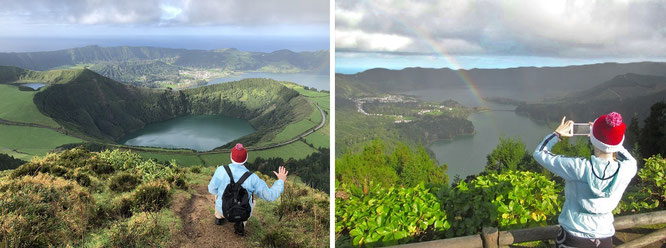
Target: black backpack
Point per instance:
(235, 199)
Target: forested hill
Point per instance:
(627, 94)
(229, 59)
(545, 81)
(86, 102)
(9, 74)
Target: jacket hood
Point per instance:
(602, 176)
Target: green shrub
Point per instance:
(39, 211)
(388, 216)
(8, 162)
(195, 169)
(281, 238)
(121, 159)
(69, 164)
(141, 230)
(122, 207)
(82, 178)
(653, 176)
(399, 166)
(511, 200)
(649, 193)
(178, 180)
(152, 170)
(100, 167)
(152, 196)
(123, 182)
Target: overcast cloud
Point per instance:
(574, 29)
(167, 12)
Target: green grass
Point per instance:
(295, 228)
(309, 93)
(32, 141)
(321, 137)
(323, 102)
(294, 129)
(18, 106)
(15, 154)
(296, 150)
(184, 160)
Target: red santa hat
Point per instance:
(238, 154)
(608, 132)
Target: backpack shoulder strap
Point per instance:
(231, 176)
(245, 176)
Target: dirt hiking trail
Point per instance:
(199, 229)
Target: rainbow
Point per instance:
(425, 36)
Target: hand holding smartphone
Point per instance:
(580, 129)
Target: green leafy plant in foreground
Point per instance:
(388, 216)
(650, 191)
(511, 200)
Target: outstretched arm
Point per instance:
(272, 193)
(565, 167)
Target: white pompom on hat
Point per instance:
(607, 132)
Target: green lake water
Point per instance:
(198, 132)
(466, 155)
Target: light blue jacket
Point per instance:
(592, 190)
(252, 184)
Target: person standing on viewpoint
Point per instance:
(594, 186)
(250, 182)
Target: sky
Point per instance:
(37, 25)
(496, 34)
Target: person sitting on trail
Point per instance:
(593, 185)
(239, 202)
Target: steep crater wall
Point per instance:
(105, 109)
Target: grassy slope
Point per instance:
(32, 141)
(321, 137)
(296, 228)
(297, 128)
(17, 106)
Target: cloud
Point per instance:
(168, 12)
(567, 28)
(371, 41)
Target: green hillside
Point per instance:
(10, 74)
(139, 73)
(626, 94)
(228, 59)
(392, 117)
(18, 106)
(102, 108)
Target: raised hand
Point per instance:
(282, 173)
(564, 130)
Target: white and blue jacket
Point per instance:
(253, 184)
(592, 190)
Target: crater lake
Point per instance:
(197, 132)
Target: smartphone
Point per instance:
(580, 129)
